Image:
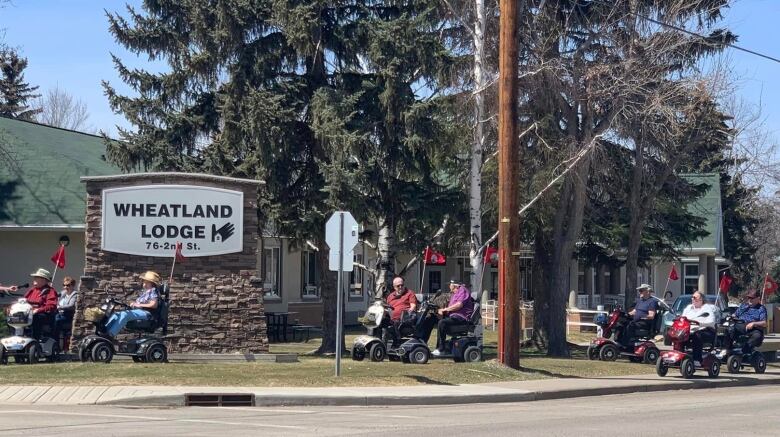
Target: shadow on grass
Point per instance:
(426, 380)
(548, 373)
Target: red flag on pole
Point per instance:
(434, 258)
(59, 257)
(770, 286)
(179, 257)
(491, 255)
(725, 283)
(673, 274)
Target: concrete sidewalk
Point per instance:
(516, 391)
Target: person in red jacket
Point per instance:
(43, 299)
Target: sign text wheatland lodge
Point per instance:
(151, 219)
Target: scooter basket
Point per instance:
(18, 318)
(94, 314)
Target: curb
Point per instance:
(518, 395)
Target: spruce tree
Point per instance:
(15, 94)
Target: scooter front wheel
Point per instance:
(660, 368)
(377, 352)
(734, 364)
(714, 369)
(609, 352)
(593, 352)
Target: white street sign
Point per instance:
(332, 233)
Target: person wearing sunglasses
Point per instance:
(707, 315)
(754, 315)
(66, 307)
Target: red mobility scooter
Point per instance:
(640, 349)
(682, 358)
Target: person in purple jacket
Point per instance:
(456, 313)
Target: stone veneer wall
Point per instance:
(216, 302)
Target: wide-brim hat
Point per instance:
(41, 273)
(644, 287)
(151, 277)
(455, 281)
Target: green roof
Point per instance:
(39, 185)
(708, 207)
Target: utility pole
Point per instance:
(508, 219)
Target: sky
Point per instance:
(67, 44)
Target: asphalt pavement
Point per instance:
(514, 391)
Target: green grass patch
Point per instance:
(313, 371)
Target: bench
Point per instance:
(305, 328)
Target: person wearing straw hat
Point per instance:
(140, 308)
(43, 299)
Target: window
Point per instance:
(690, 278)
(272, 272)
(311, 277)
(434, 282)
(356, 278)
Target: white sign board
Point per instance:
(332, 235)
(151, 219)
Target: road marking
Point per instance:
(113, 416)
(123, 416)
(357, 413)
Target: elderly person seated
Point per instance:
(707, 315)
(140, 308)
(43, 298)
(456, 313)
(66, 308)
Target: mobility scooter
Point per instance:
(377, 343)
(22, 346)
(464, 346)
(145, 348)
(606, 347)
(738, 357)
(680, 357)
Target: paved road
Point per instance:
(717, 412)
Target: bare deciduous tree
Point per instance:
(61, 109)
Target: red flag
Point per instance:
(725, 283)
(673, 274)
(59, 257)
(179, 257)
(491, 255)
(770, 286)
(434, 258)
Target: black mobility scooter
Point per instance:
(146, 347)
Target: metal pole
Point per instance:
(338, 296)
(508, 220)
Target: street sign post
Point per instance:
(341, 234)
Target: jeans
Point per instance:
(117, 321)
(63, 323)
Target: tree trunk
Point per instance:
(566, 231)
(541, 282)
(477, 150)
(385, 263)
(635, 225)
(328, 293)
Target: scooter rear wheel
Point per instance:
(651, 355)
(33, 353)
(686, 368)
(3, 357)
(759, 363)
(714, 369)
(418, 355)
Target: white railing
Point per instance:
(581, 323)
(490, 315)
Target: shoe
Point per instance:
(696, 363)
(436, 353)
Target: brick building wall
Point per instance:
(216, 302)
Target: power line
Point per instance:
(686, 31)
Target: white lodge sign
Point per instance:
(151, 219)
